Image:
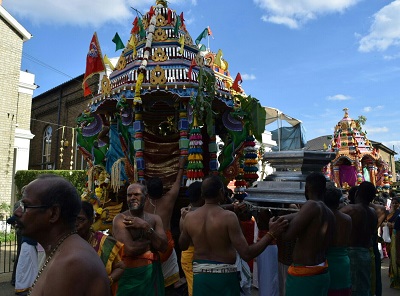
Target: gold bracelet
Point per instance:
(111, 280)
(273, 236)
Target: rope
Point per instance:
(253, 207)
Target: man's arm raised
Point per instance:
(276, 227)
(172, 194)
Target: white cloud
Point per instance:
(295, 13)
(370, 109)
(248, 76)
(76, 12)
(376, 130)
(281, 20)
(384, 31)
(338, 97)
(391, 57)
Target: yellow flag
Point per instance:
(218, 58)
(182, 43)
(132, 44)
(108, 62)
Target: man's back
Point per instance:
(364, 221)
(314, 227)
(342, 230)
(208, 227)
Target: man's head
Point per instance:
(85, 219)
(332, 197)
(352, 194)
(155, 188)
(136, 196)
(212, 188)
(51, 196)
(194, 193)
(315, 186)
(394, 204)
(365, 192)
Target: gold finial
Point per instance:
(162, 2)
(346, 113)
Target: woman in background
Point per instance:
(108, 248)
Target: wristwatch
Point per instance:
(150, 231)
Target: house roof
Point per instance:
(317, 144)
(15, 24)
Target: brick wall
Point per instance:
(10, 57)
(58, 107)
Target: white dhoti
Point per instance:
(267, 272)
(245, 276)
(170, 269)
(27, 268)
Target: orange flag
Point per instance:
(94, 63)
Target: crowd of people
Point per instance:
(326, 246)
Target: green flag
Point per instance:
(118, 42)
(201, 36)
(202, 47)
(142, 32)
(177, 25)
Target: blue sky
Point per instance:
(309, 59)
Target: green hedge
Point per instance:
(77, 178)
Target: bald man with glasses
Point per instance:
(47, 213)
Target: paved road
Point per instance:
(6, 289)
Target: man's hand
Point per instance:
(277, 225)
(184, 211)
(136, 223)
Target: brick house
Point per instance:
(53, 121)
(16, 90)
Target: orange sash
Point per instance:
(171, 244)
(308, 270)
(145, 259)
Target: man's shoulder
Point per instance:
(121, 215)
(343, 217)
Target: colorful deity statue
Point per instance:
(356, 160)
(168, 97)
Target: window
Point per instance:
(46, 149)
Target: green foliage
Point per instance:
(5, 210)
(202, 103)
(360, 121)
(7, 236)
(397, 165)
(77, 178)
(252, 111)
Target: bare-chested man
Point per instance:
(216, 236)
(364, 220)
(313, 226)
(143, 236)
(47, 213)
(163, 205)
(338, 257)
(381, 213)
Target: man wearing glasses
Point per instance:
(47, 213)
